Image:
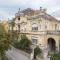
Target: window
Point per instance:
(55, 26)
(24, 29)
(34, 27)
(19, 18)
(34, 40)
(45, 26)
(19, 27)
(40, 26)
(58, 27)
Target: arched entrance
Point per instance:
(51, 44)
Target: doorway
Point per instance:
(51, 44)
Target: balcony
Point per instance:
(44, 32)
(39, 32)
(53, 32)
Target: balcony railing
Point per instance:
(40, 32)
(53, 32)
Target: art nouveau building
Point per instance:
(41, 28)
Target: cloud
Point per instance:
(9, 7)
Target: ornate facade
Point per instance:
(41, 28)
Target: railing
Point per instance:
(41, 32)
(44, 32)
(53, 32)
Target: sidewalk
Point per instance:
(15, 54)
(22, 52)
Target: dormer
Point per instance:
(19, 13)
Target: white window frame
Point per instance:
(34, 27)
(34, 38)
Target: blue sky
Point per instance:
(8, 8)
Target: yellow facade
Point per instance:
(5, 24)
(40, 27)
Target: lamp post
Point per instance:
(33, 46)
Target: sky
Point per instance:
(8, 8)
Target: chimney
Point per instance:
(40, 8)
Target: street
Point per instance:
(13, 54)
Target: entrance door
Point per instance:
(51, 44)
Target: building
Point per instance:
(41, 28)
(5, 24)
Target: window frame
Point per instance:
(34, 40)
(34, 28)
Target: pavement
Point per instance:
(14, 54)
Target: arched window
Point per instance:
(34, 27)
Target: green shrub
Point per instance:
(55, 57)
(23, 44)
(37, 51)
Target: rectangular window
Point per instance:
(34, 40)
(40, 26)
(46, 23)
(45, 26)
(34, 28)
(18, 27)
(55, 26)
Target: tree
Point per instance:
(12, 25)
(55, 57)
(37, 51)
(24, 43)
(13, 33)
(4, 40)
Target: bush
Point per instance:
(16, 44)
(37, 51)
(55, 57)
(23, 44)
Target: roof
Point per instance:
(36, 14)
(45, 16)
(28, 11)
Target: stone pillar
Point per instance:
(32, 54)
(45, 53)
(57, 45)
